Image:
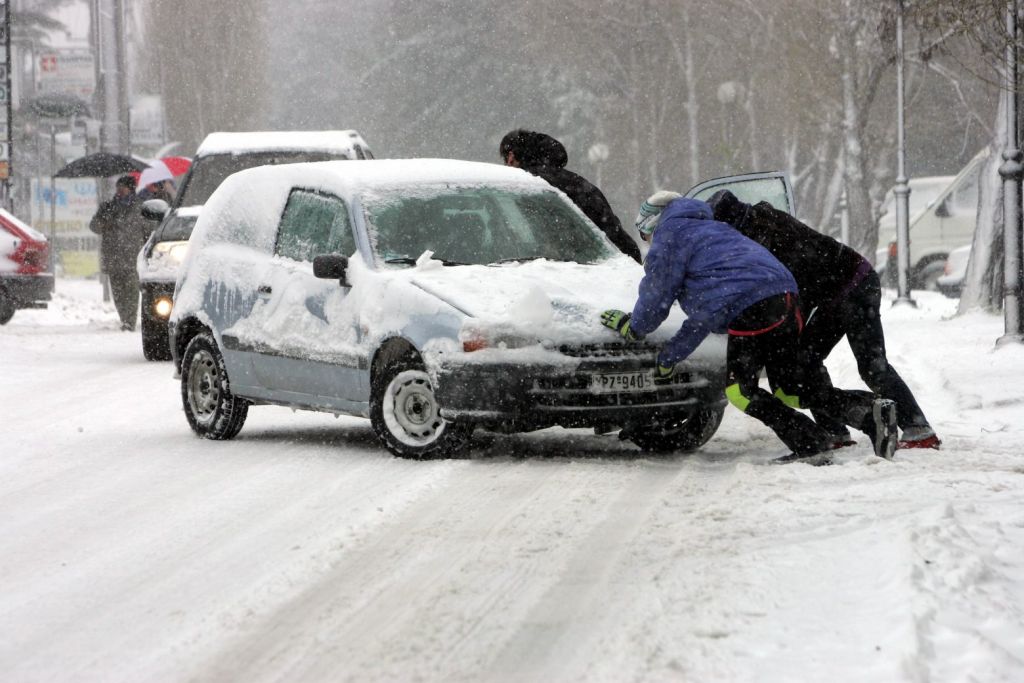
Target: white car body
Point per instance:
(514, 345)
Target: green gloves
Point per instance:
(663, 374)
(619, 321)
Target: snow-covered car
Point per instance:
(218, 156)
(24, 259)
(951, 281)
(431, 296)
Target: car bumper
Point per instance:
(153, 292)
(28, 291)
(522, 397)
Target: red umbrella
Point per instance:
(177, 165)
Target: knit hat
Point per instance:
(650, 211)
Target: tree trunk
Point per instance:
(983, 282)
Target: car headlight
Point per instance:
(172, 252)
(477, 338)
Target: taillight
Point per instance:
(31, 257)
(892, 250)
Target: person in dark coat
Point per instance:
(842, 294)
(122, 231)
(544, 156)
(725, 282)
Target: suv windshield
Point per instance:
(480, 225)
(208, 172)
(176, 228)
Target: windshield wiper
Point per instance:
(518, 259)
(410, 261)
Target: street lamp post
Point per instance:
(1012, 171)
(902, 189)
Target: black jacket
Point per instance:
(544, 156)
(825, 269)
(122, 231)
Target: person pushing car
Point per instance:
(842, 294)
(726, 282)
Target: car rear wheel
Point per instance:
(685, 433)
(406, 415)
(927, 276)
(7, 307)
(155, 344)
(212, 410)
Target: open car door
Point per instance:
(750, 188)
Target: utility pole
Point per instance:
(1012, 171)
(114, 132)
(902, 189)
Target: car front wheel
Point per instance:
(7, 307)
(406, 416)
(685, 433)
(212, 410)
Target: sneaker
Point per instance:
(883, 414)
(926, 442)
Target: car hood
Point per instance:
(553, 300)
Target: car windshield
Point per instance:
(208, 172)
(480, 225)
(176, 228)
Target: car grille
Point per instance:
(609, 350)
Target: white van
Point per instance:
(945, 223)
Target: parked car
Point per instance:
(431, 296)
(951, 281)
(25, 279)
(946, 222)
(219, 155)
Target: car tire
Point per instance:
(213, 412)
(405, 413)
(684, 434)
(927, 275)
(155, 344)
(7, 307)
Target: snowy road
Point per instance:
(131, 551)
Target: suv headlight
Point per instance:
(171, 252)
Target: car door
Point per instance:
(771, 186)
(307, 356)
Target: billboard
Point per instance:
(70, 72)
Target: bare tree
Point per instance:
(208, 61)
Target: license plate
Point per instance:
(621, 382)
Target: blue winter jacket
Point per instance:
(712, 270)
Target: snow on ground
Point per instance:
(130, 550)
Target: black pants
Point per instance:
(124, 290)
(856, 316)
(767, 335)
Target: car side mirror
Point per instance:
(155, 209)
(331, 267)
(942, 210)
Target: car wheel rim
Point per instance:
(411, 411)
(203, 386)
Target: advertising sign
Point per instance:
(70, 72)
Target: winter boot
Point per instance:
(882, 427)
(816, 459)
(919, 437)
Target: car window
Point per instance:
(965, 196)
(208, 172)
(480, 225)
(313, 223)
(752, 191)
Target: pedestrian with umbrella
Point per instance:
(122, 231)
